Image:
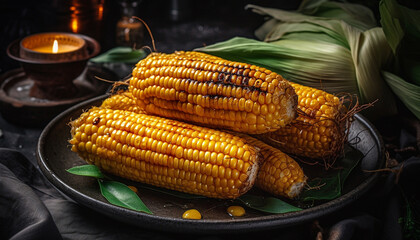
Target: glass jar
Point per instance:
(130, 31)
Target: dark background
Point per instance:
(175, 24)
(194, 24)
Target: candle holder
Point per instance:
(70, 47)
(53, 73)
(50, 82)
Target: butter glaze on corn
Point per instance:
(317, 133)
(165, 153)
(207, 90)
(279, 174)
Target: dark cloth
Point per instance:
(23, 215)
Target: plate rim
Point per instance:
(269, 222)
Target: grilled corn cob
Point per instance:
(210, 91)
(318, 132)
(165, 153)
(279, 174)
(122, 100)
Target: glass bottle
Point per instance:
(130, 31)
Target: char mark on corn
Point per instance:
(210, 91)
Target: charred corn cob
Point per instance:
(207, 90)
(320, 129)
(165, 153)
(279, 174)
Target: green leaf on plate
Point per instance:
(86, 170)
(121, 195)
(267, 204)
(120, 55)
(350, 160)
(330, 186)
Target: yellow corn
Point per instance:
(318, 132)
(165, 153)
(207, 90)
(279, 174)
(122, 101)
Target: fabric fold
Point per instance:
(22, 213)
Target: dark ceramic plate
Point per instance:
(55, 156)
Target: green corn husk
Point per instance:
(321, 52)
(402, 29)
(353, 14)
(409, 93)
(296, 60)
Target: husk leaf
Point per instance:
(326, 51)
(402, 29)
(408, 93)
(355, 15)
(326, 66)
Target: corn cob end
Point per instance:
(278, 174)
(320, 130)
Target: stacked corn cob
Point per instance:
(207, 90)
(126, 138)
(319, 132)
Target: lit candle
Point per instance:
(55, 48)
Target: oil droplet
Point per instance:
(236, 211)
(191, 214)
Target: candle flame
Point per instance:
(55, 47)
